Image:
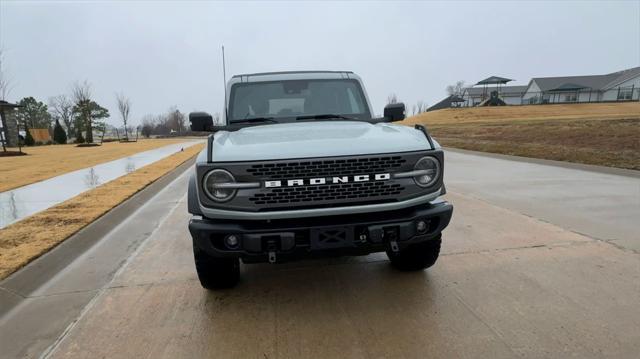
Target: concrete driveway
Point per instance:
(509, 283)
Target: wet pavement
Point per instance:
(507, 285)
(27, 200)
(602, 205)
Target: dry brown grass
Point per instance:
(23, 241)
(600, 134)
(43, 162)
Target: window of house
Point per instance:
(571, 97)
(625, 94)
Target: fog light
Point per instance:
(232, 241)
(421, 226)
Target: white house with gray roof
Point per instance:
(617, 86)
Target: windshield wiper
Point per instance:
(324, 116)
(256, 119)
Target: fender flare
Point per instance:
(192, 197)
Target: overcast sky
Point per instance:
(163, 53)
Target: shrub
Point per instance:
(59, 135)
(28, 140)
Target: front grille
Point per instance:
(332, 192)
(343, 167)
(311, 196)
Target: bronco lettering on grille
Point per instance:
(327, 180)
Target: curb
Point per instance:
(25, 281)
(572, 165)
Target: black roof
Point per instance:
(494, 80)
(6, 104)
(446, 103)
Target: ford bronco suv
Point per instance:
(302, 168)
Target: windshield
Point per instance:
(284, 101)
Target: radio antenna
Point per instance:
(224, 78)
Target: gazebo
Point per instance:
(493, 80)
(7, 136)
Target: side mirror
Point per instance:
(394, 112)
(200, 121)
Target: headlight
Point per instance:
(218, 193)
(429, 170)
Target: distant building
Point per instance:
(448, 102)
(8, 124)
(511, 95)
(617, 86)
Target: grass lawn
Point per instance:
(25, 240)
(43, 162)
(605, 134)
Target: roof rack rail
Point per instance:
(292, 72)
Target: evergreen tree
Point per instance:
(33, 113)
(59, 136)
(28, 139)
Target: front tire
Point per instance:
(416, 256)
(216, 273)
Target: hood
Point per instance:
(315, 139)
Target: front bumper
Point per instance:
(290, 239)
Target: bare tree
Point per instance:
(5, 88)
(81, 93)
(392, 98)
(217, 120)
(179, 118)
(175, 119)
(5, 81)
(422, 106)
(124, 106)
(61, 108)
(456, 89)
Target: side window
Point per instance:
(355, 107)
(625, 94)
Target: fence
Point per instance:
(618, 94)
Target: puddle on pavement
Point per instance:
(27, 200)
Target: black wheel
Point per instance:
(216, 273)
(416, 256)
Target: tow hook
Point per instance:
(391, 235)
(272, 257)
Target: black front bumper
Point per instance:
(289, 239)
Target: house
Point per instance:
(511, 95)
(449, 101)
(617, 86)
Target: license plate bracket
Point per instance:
(333, 237)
